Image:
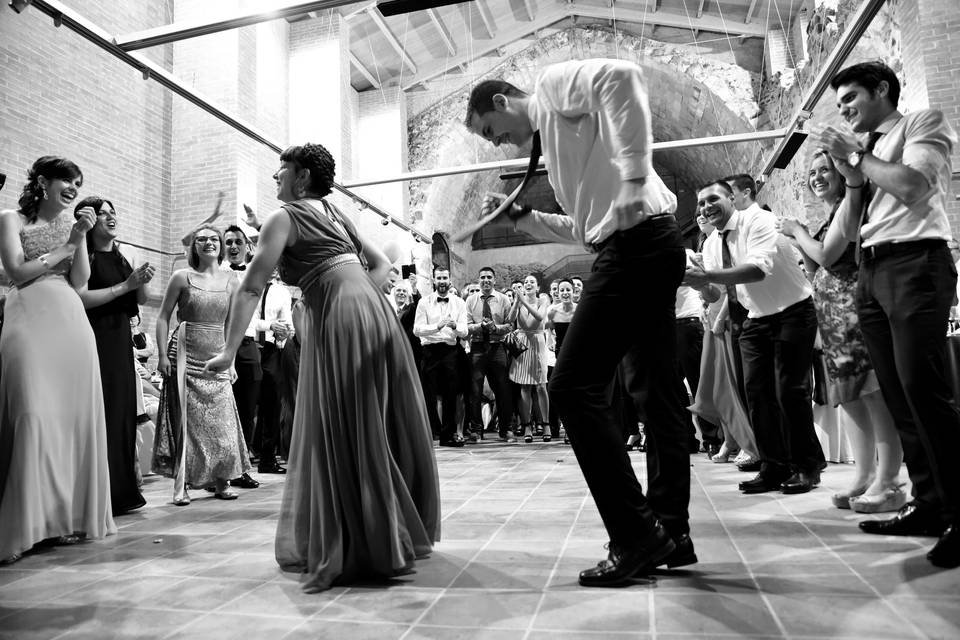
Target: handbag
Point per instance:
(515, 343)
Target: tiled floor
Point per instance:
(518, 526)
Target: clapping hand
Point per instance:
(86, 218)
(140, 276)
(789, 227)
(493, 200)
(252, 219)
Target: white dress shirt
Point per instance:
(431, 314)
(688, 304)
(251, 330)
(277, 308)
(754, 240)
(594, 123)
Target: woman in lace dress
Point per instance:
(362, 495)
(852, 383)
(54, 479)
(199, 440)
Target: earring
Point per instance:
(45, 196)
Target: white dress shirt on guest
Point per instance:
(251, 331)
(432, 313)
(689, 304)
(754, 240)
(276, 309)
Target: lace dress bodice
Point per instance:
(38, 239)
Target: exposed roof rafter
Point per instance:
(750, 10)
(359, 66)
(391, 39)
(486, 16)
(442, 30)
(531, 9)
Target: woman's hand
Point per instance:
(163, 365)
(219, 363)
(86, 218)
(140, 276)
(789, 227)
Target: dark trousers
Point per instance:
(246, 388)
(689, 350)
(441, 381)
(269, 410)
(490, 361)
(777, 358)
(633, 280)
(903, 300)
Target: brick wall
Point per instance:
(61, 95)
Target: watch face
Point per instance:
(854, 158)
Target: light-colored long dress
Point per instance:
(197, 405)
(362, 493)
(54, 478)
(530, 367)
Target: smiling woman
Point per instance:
(54, 479)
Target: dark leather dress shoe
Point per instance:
(911, 520)
(801, 482)
(625, 563)
(451, 443)
(245, 482)
(274, 469)
(682, 555)
(946, 553)
(750, 467)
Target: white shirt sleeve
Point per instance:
(760, 241)
(617, 90)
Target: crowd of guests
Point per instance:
(485, 357)
(348, 383)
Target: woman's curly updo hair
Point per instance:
(51, 168)
(318, 161)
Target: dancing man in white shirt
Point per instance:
(592, 118)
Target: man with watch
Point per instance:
(898, 173)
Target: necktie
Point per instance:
(727, 261)
(262, 335)
(238, 267)
(487, 315)
(867, 191)
(444, 300)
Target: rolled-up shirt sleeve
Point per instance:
(760, 242)
(552, 227)
(928, 144)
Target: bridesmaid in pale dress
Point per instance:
(529, 369)
(54, 478)
(362, 495)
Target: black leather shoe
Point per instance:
(624, 563)
(946, 553)
(451, 443)
(801, 482)
(750, 467)
(682, 555)
(245, 482)
(274, 469)
(770, 478)
(909, 521)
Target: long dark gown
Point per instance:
(111, 328)
(362, 494)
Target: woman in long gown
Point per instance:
(851, 381)
(54, 478)
(361, 497)
(199, 441)
(113, 295)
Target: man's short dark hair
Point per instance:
(723, 184)
(869, 75)
(742, 182)
(440, 268)
(238, 231)
(562, 280)
(490, 269)
(481, 98)
(575, 278)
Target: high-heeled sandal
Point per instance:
(888, 500)
(841, 500)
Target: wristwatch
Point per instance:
(855, 158)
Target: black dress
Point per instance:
(111, 327)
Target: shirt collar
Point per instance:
(888, 123)
(733, 221)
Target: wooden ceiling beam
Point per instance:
(441, 28)
(391, 39)
(359, 66)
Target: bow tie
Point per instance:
(238, 267)
(439, 299)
